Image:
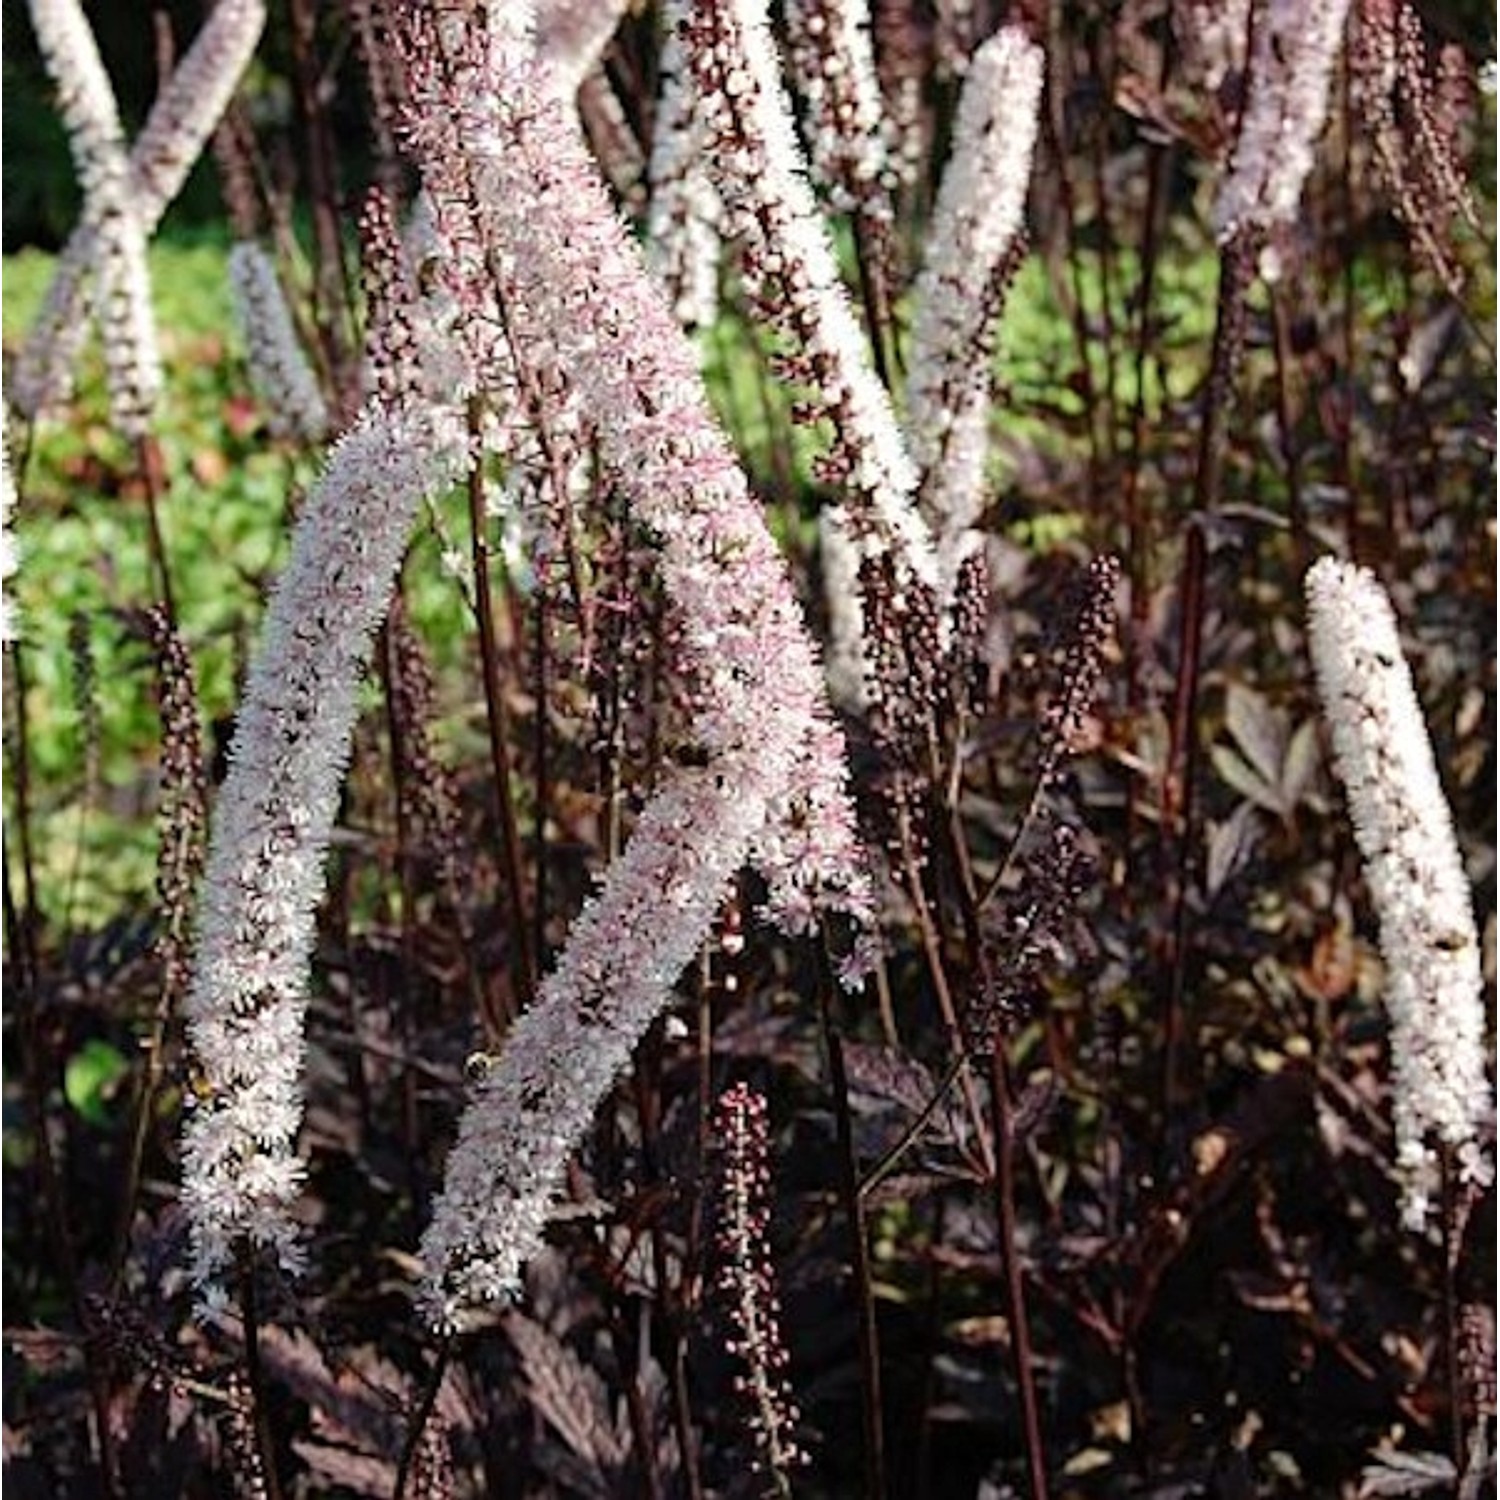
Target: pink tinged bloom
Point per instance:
(976, 227)
(248, 997)
(571, 36)
(585, 316)
(279, 369)
(1294, 48)
(762, 179)
(127, 324)
(184, 115)
(1404, 829)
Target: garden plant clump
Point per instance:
(748, 749)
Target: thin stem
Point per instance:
(498, 720)
(871, 1407)
(256, 1373)
(152, 468)
(1286, 421)
(1004, 1182)
(1453, 1369)
(430, 1389)
(331, 289)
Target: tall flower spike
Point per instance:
(171, 140)
(682, 238)
(248, 999)
(1295, 45)
(279, 370)
(793, 275)
(971, 248)
(127, 324)
(833, 62)
(582, 309)
(1416, 876)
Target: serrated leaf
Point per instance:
(1407, 1474)
(1300, 765)
(90, 1078)
(1230, 844)
(1259, 730)
(1238, 773)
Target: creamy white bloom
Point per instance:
(181, 120)
(844, 665)
(279, 369)
(1295, 46)
(127, 324)
(248, 997)
(682, 223)
(584, 315)
(833, 63)
(978, 217)
(1416, 877)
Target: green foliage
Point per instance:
(92, 1079)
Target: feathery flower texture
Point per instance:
(1295, 45)
(583, 310)
(976, 226)
(127, 324)
(683, 224)
(1421, 894)
(171, 140)
(279, 369)
(247, 1002)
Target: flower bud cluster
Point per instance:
(747, 1279)
(1421, 894)
(791, 271)
(833, 64)
(1413, 131)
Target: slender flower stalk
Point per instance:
(747, 1280)
(10, 556)
(248, 998)
(972, 245)
(793, 276)
(1416, 876)
(184, 115)
(582, 312)
(1294, 49)
(279, 369)
(127, 324)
